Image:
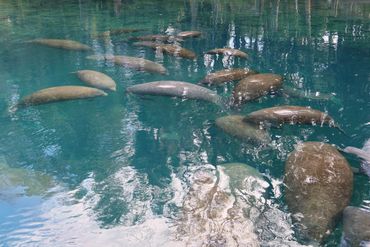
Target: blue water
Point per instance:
(112, 159)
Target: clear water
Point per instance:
(107, 170)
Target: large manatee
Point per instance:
(137, 63)
(176, 89)
(97, 79)
(226, 75)
(278, 115)
(319, 185)
(356, 227)
(61, 43)
(228, 52)
(61, 93)
(255, 86)
(235, 126)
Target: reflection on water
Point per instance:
(121, 169)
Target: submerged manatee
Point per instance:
(177, 51)
(62, 93)
(299, 93)
(97, 79)
(228, 52)
(157, 37)
(176, 89)
(189, 34)
(137, 63)
(319, 185)
(363, 154)
(61, 43)
(356, 227)
(279, 115)
(117, 31)
(213, 216)
(255, 86)
(30, 182)
(235, 126)
(173, 50)
(226, 75)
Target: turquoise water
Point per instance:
(102, 168)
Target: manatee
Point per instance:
(235, 126)
(61, 93)
(226, 75)
(319, 184)
(228, 52)
(363, 154)
(176, 89)
(137, 63)
(157, 37)
(279, 115)
(31, 182)
(255, 86)
(212, 216)
(189, 34)
(174, 50)
(356, 227)
(117, 31)
(298, 93)
(97, 79)
(177, 51)
(61, 43)
(149, 44)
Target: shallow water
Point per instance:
(121, 164)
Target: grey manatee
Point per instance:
(136, 63)
(319, 183)
(299, 93)
(235, 126)
(255, 86)
(226, 75)
(228, 52)
(97, 79)
(176, 89)
(61, 93)
(363, 154)
(61, 43)
(356, 227)
(279, 115)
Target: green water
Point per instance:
(113, 159)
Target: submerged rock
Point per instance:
(319, 185)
